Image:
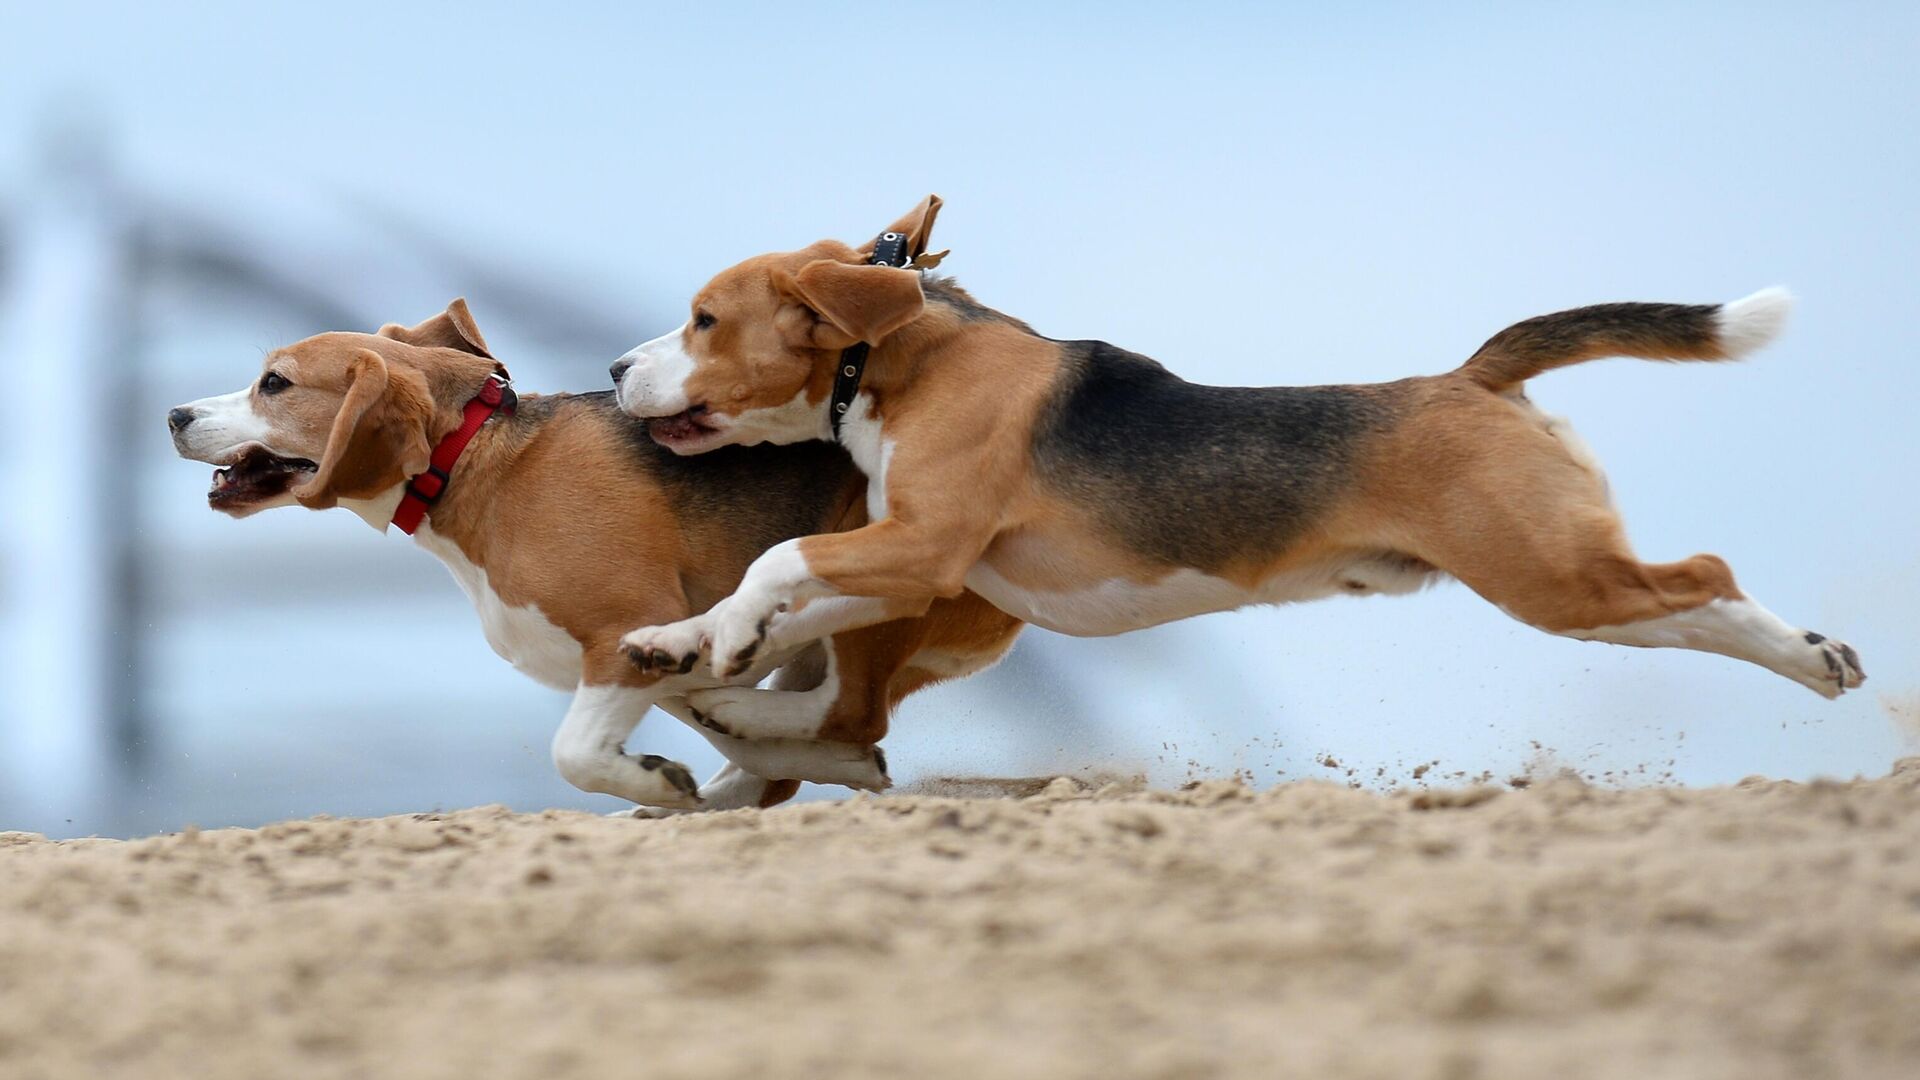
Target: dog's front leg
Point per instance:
(833, 687)
(886, 560)
(735, 629)
(590, 749)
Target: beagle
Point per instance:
(1089, 490)
(565, 525)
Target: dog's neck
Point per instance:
(465, 506)
(378, 510)
(951, 318)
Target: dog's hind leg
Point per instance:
(1584, 583)
(1524, 520)
(1691, 604)
(836, 688)
(1736, 626)
(798, 704)
(815, 761)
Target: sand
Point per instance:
(1770, 929)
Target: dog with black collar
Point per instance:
(1089, 490)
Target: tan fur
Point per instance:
(1482, 486)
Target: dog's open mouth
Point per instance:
(254, 476)
(682, 428)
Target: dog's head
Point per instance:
(336, 416)
(756, 358)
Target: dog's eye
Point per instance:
(273, 382)
(703, 320)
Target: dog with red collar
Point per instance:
(565, 525)
(1090, 490)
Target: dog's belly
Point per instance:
(522, 636)
(1113, 606)
(1116, 605)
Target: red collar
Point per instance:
(425, 490)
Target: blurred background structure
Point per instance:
(1250, 195)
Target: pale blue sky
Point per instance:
(1250, 193)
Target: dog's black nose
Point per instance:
(619, 369)
(178, 419)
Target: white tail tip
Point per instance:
(1752, 321)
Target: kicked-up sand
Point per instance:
(1765, 930)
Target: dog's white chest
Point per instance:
(871, 450)
(522, 636)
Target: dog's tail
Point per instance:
(1648, 331)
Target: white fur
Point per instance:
(589, 748)
(522, 636)
(860, 433)
(751, 713)
(779, 576)
(378, 511)
(223, 426)
(754, 713)
(1743, 630)
(951, 665)
(732, 788)
(1752, 321)
(794, 420)
(846, 764)
(825, 616)
(1117, 605)
(656, 384)
(757, 714)
(690, 636)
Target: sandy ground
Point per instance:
(1766, 930)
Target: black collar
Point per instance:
(889, 250)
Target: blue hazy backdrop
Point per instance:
(1249, 193)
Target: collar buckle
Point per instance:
(498, 392)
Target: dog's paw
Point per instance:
(881, 779)
(673, 649)
(652, 813)
(739, 633)
(866, 769)
(1843, 670)
(682, 791)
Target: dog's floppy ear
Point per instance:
(856, 302)
(917, 226)
(379, 437)
(453, 328)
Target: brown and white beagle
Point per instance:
(566, 525)
(1089, 490)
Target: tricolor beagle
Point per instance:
(1089, 490)
(566, 525)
